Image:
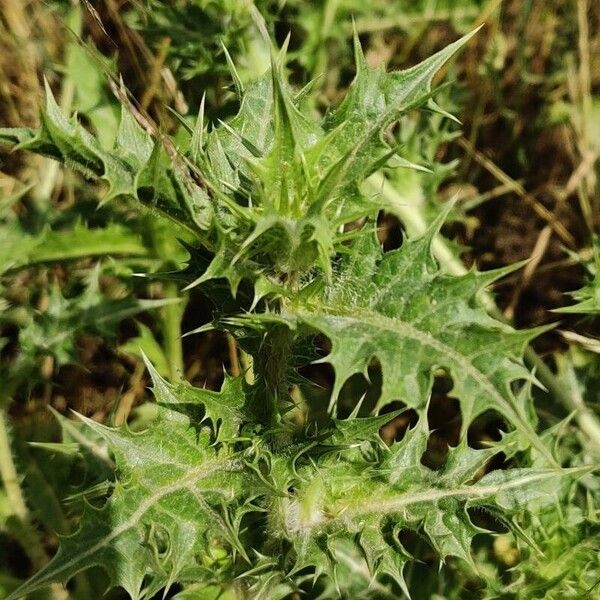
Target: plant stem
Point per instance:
(271, 392)
(16, 501)
(569, 394)
(172, 315)
(29, 538)
(414, 221)
(234, 361)
(50, 169)
(328, 17)
(136, 386)
(248, 366)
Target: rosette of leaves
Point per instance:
(200, 501)
(247, 491)
(269, 192)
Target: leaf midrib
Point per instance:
(50, 575)
(343, 510)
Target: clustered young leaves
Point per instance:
(247, 492)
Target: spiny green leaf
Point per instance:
(375, 99)
(247, 491)
(168, 516)
(223, 409)
(402, 310)
(365, 499)
(355, 429)
(127, 168)
(19, 249)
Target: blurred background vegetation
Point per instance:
(524, 165)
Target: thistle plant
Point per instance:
(257, 491)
